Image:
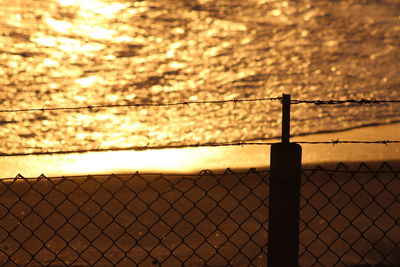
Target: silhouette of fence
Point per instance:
(313, 217)
(53, 151)
(348, 217)
(361, 101)
(129, 104)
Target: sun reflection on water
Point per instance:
(87, 29)
(95, 52)
(66, 44)
(90, 22)
(87, 81)
(92, 8)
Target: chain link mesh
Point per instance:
(348, 217)
(209, 219)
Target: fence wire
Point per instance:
(150, 147)
(54, 151)
(318, 102)
(348, 217)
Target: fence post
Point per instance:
(284, 197)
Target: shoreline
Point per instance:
(193, 160)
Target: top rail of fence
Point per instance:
(187, 103)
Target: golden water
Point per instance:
(66, 53)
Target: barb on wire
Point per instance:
(133, 148)
(337, 141)
(187, 103)
(362, 101)
(148, 104)
(149, 147)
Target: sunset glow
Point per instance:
(92, 8)
(199, 132)
(70, 53)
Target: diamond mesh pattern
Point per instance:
(127, 220)
(349, 217)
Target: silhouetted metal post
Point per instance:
(286, 119)
(284, 197)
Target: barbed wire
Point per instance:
(362, 101)
(148, 104)
(337, 141)
(150, 147)
(135, 148)
(187, 103)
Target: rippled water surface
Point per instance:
(66, 53)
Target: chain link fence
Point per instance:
(348, 217)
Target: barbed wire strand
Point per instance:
(148, 147)
(135, 148)
(149, 104)
(337, 141)
(186, 103)
(348, 101)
